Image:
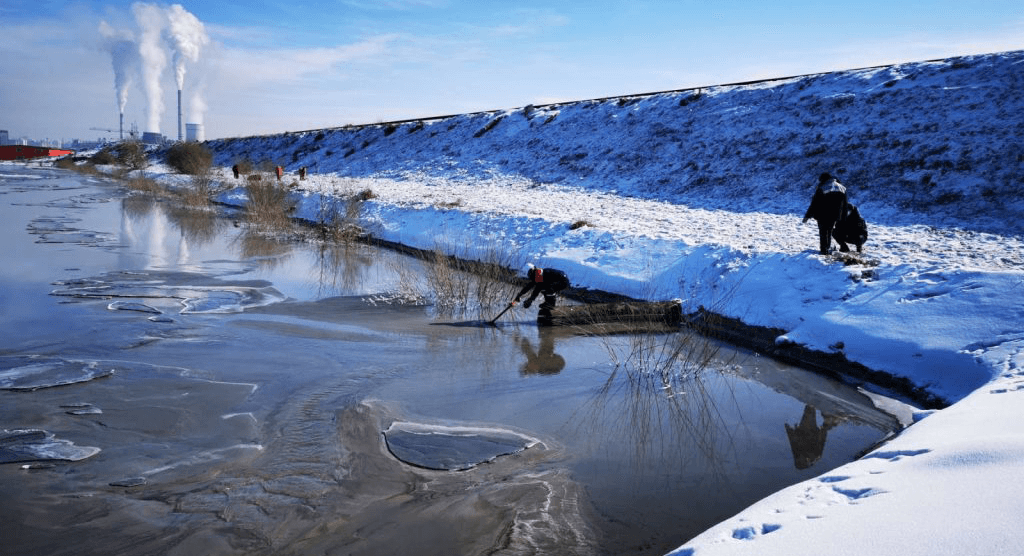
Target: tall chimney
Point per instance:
(120, 129)
(180, 134)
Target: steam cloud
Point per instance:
(187, 36)
(143, 53)
(124, 55)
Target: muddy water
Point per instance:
(173, 384)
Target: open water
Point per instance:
(172, 383)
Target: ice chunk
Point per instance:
(451, 448)
(49, 373)
(133, 306)
(25, 445)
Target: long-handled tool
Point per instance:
(503, 311)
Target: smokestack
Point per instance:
(180, 134)
(120, 128)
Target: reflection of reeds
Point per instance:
(660, 397)
(198, 226)
(269, 251)
(341, 264)
(137, 206)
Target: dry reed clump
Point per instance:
(68, 163)
(339, 221)
(465, 286)
(143, 185)
(268, 207)
(197, 195)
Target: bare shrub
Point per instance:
(65, 163)
(198, 195)
(190, 158)
(132, 154)
(461, 285)
(245, 166)
(578, 224)
(268, 207)
(143, 184)
(104, 157)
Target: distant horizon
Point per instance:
(258, 69)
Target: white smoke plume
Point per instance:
(186, 35)
(197, 110)
(152, 21)
(143, 53)
(124, 56)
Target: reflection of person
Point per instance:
(544, 361)
(548, 281)
(828, 206)
(806, 439)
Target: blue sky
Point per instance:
(284, 66)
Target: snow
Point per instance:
(699, 195)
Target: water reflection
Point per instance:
(807, 438)
(150, 224)
(543, 360)
(340, 266)
(269, 252)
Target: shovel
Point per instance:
(503, 311)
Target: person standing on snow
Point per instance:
(828, 206)
(548, 281)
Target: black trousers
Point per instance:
(825, 237)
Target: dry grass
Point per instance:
(464, 286)
(268, 208)
(143, 185)
(198, 194)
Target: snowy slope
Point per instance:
(699, 195)
(937, 139)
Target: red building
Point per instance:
(27, 152)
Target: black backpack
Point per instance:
(853, 229)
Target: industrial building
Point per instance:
(28, 152)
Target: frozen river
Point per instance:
(172, 383)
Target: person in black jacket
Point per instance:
(828, 206)
(547, 281)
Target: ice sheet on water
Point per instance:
(451, 448)
(60, 229)
(27, 374)
(26, 445)
(133, 306)
(196, 293)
